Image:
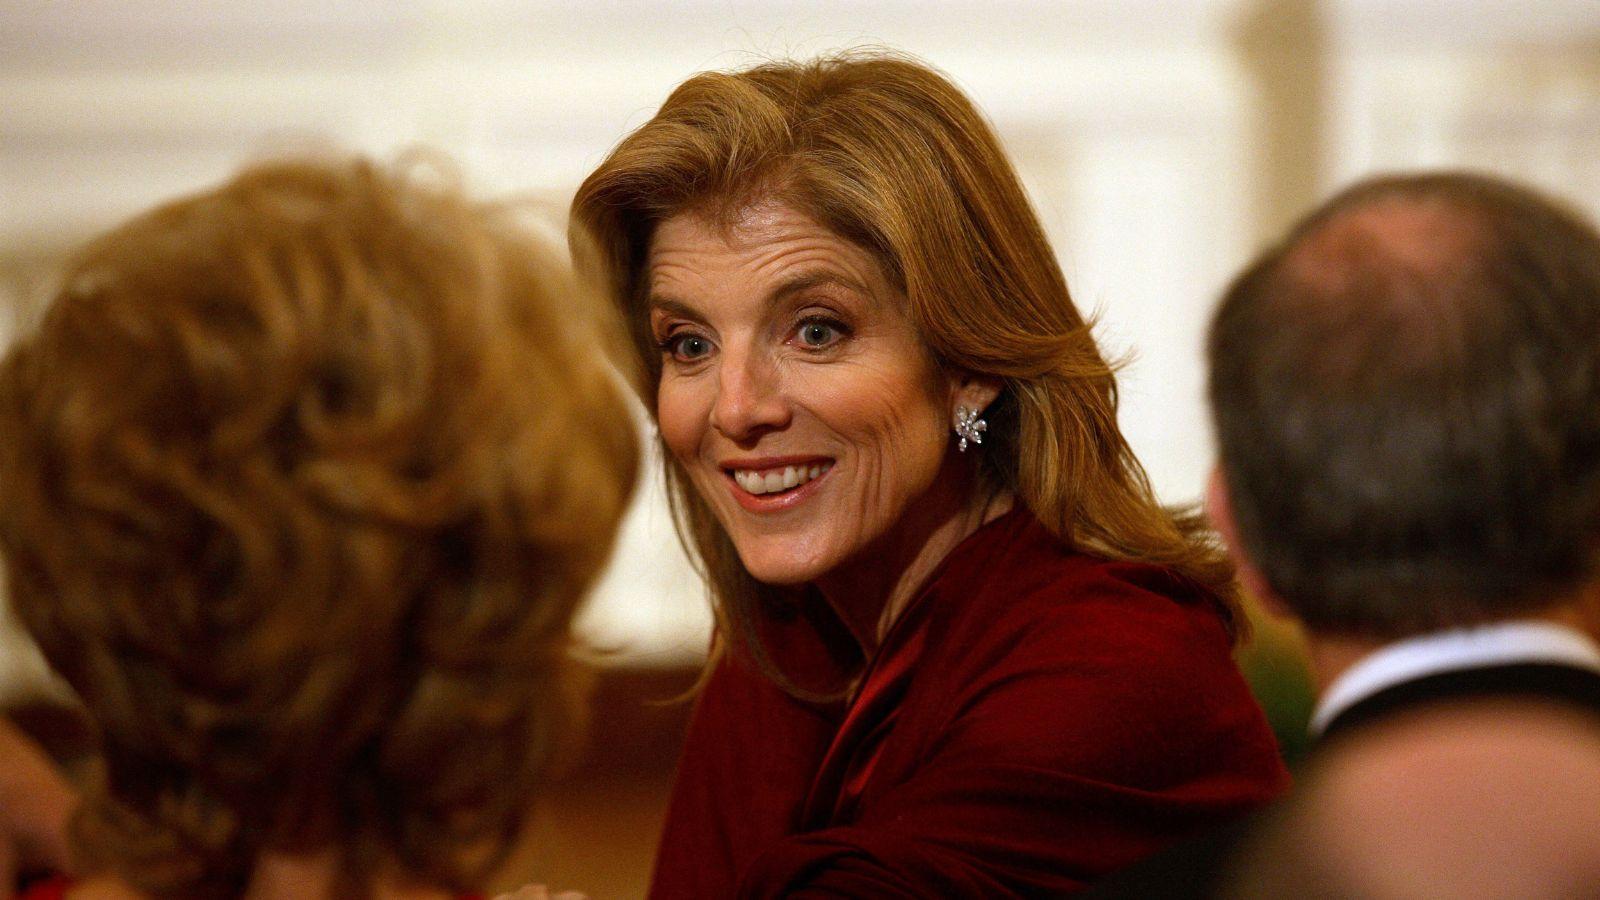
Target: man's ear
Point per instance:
(1219, 509)
(972, 390)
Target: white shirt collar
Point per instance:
(1457, 648)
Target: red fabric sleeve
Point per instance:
(1050, 772)
(1042, 720)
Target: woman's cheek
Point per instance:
(885, 407)
(682, 416)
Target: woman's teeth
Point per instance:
(770, 481)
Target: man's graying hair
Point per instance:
(1407, 402)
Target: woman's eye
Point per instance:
(819, 334)
(686, 347)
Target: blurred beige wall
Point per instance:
(1161, 139)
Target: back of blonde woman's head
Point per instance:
(301, 480)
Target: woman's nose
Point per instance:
(750, 397)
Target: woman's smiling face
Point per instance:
(794, 389)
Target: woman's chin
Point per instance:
(781, 569)
(781, 576)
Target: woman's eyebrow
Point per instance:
(673, 307)
(796, 284)
(804, 281)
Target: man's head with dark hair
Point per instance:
(1407, 402)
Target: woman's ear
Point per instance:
(973, 391)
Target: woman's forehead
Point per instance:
(764, 241)
(753, 223)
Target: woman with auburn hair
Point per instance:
(302, 479)
(961, 650)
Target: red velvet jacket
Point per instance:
(1035, 719)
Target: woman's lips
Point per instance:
(770, 485)
(773, 480)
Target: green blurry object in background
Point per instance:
(1274, 663)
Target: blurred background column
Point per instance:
(1283, 48)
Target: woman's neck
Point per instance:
(870, 592)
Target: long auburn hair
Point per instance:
(889, 154)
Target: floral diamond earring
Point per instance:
(969, 427)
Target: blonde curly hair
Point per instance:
(301, 480)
